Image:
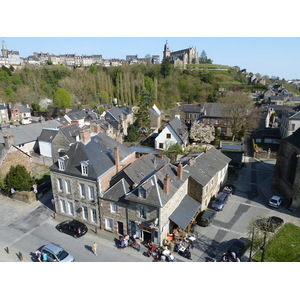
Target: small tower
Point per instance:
(4, 50)
(167, 51)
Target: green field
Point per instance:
(283, 247)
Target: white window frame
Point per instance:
(85, 213)
(71, 210)
(60, 185)
(68, 186)
(109, 224)
(94, 215)
(82, 190)
(91, 192)
(84, 168)
(114, 208)
(142, 213)
(63, 206)
(61, 164)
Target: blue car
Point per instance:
(220, 201)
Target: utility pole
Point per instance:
(263, 248)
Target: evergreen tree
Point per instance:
(19, 178)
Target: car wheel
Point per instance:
(59, 229)
(75, 236)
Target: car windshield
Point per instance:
(274, 201)
(218, 201)
(61, 255)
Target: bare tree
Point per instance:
(202, 133)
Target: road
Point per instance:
(254, 188)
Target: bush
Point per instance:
(19, 179)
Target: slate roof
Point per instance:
(214, 109)
(23, 108)
(294, 138)
(193, 108)
(116, 112)
(28, 133)
(155, 111)
(296, 116)
(203, 166)
(185, 212)
(117, 192)
(180, 129)
(77, 114)
(47, 135)
(99, 152)
(70, 132)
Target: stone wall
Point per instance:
(24, 196)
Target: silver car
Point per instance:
(56, 253)
(275, 201)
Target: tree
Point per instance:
(203, 58)
(132, 134)
(240, 113)
(19, 178)
(165, 67)
(202, 133)
(62, 98)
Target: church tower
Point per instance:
(167, 51)
(4, 50)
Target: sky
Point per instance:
(272, 56)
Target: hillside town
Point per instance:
(186, 190)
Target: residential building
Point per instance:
(191, 112)
(20, 113)
(175, 132)
(155, 117)
(287, 170)
(9, 57)
(290, 122)
(4, 118)
(82, 174)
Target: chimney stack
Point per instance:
(117, 159)
(85, 134)
(8, 140)
(167, 183)
(179, 171)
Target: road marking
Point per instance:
(228, 230)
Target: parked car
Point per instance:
(239, 246)
(229, 189)
(269, 224)
(275, 201)
(219, 202)
(72, 227)
(56, 253)
(206, 217)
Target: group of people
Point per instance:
(41, 256)
(159, 253)
(133, 242)
(230, 256)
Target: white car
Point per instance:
(275, 201)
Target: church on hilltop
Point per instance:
(9, 57)
(182, 57)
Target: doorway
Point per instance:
(146, 236)
(120, 228)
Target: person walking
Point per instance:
(95, 246)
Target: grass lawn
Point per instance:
(284, 246)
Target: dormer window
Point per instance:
(84, 168)
(62, 162)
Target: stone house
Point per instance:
(175, 132)
(81, 175)
(290, 122)
(287, 170)
(76, 116)
(213, 115)
(10, 155)
(155, 117)
(192, 112)
(119, 118)
(20, 113)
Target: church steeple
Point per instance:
(166, 50)
(4, 49)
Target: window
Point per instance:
(94, 215)
(168, 135)
(212, 182)
(63, 206)
(208, 121)
(60, 184)
(82, 190)
(217, 121)
(91, 192)
(114, 208)
(84, 168)
(61, 164)
(142, 193)
(71, 208)
(161, 145)
(68, 186)
(85, 213)
(109, 224)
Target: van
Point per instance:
(219, 202)
(206, 217)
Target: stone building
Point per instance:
(287, 170)
(181, 58)
(81, 175)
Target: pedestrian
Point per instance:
(95, 248)
(38, 254)
(44, 255)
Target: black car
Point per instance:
(269, 224)
(72, 227)
(206, 217)
(239, 246)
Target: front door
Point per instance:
(120, 228)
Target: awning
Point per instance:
(185, 212)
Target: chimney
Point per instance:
(117, 158)
(8, 140)
(85, 134)
(167, 183)
(179, 171)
